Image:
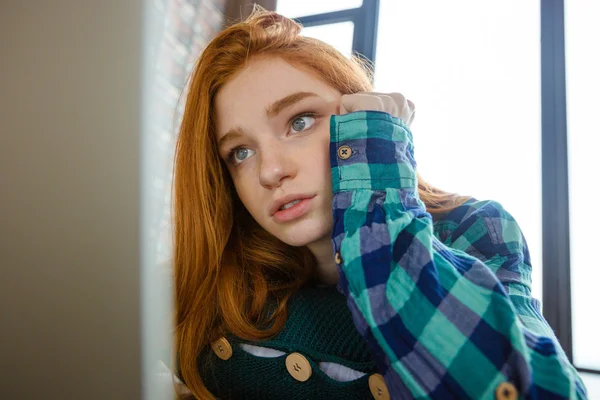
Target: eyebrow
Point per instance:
(287, 101)
(271, 111)
(231, 134)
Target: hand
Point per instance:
(394, 104)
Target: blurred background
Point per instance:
(91, 95)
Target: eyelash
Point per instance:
(231, 153)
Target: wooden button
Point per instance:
(338, 258)
(506, 391)
(344, 152)
(222, 348)
(378, 388)
(298, 367)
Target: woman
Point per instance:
(312, 261)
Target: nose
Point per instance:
(275, 166)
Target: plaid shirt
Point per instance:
(446, 308)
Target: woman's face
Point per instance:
(273, 134)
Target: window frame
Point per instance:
(365, 19)
(556, 268)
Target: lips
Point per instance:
(293, 212)
(277, 204)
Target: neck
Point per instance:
(326, 272)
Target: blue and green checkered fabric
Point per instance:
(446, 308)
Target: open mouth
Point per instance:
(292, 210)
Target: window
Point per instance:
(295, 8)
(474, 70)
(338, 35)
(582, 34)
(348, 25)
(476, 88)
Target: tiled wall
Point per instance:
(188, 27)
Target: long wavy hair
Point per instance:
(226, 266)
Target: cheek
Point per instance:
(324, 164)
(245, 193)
(252, 197)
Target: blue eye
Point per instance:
(239, 154)
(242, 153)
(302, 122)
(299, 123)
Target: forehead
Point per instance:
(262, 82)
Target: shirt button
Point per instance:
(344, 152)
(338, 258)
(222, 348)
(298, 367)
(506, 391)
(378, 388)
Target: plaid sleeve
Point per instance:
(444, 320)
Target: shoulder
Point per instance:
(475, 208)
(484, 226)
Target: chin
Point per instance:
(305, 233)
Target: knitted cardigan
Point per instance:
(320, 327)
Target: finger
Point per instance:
(412, 113)
(398, 97)
(405, 108)
(389, 104)
(359, 102)
(391, 101)
(412, 117)
(401, 101)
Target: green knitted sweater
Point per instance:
(320, 327)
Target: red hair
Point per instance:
(225, 264)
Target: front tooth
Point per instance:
(288, 205)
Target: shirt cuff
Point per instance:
(371, 150)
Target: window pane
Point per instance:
(472, 69)
(295, 8)
(338, 35)
(582, 34)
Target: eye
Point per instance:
(302, 122)
(239, 154)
